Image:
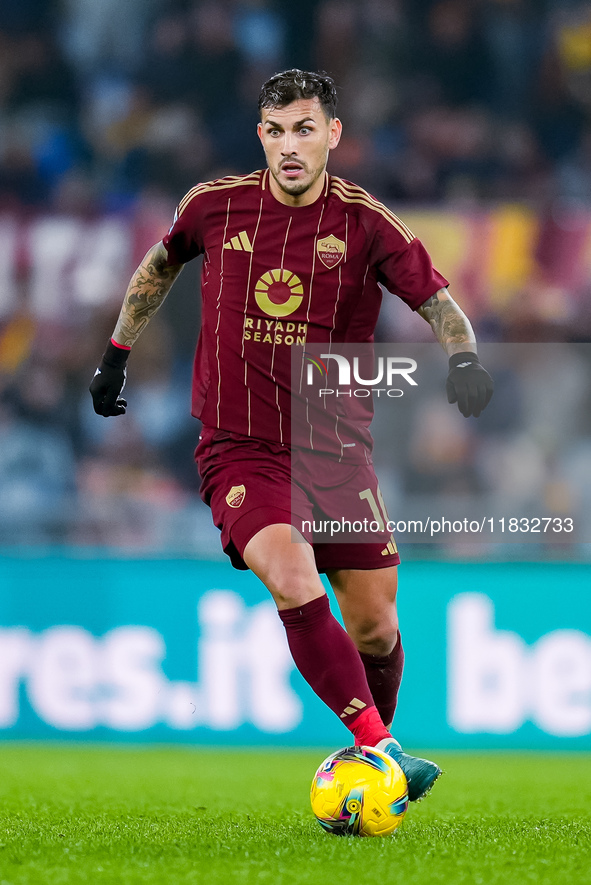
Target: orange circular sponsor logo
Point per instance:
(279, 292)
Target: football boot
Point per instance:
(420, 774)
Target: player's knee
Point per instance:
(291, 587)
(376, 636)
(293, 596)
(286, 569)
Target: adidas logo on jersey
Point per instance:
(240, 243)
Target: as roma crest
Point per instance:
(236, 496)
(330, 250)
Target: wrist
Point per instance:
(115, 354)
(464, 356)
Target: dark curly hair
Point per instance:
(288, 86)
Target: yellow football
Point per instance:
(359, 791)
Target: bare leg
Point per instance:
(367, 600)
(287, 569)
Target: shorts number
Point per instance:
(380, 518)
(378, 511)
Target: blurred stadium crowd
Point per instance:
(443, 99)
(472, 118)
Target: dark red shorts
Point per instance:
(250, 484)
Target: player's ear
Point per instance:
(336, 129)
(260, 131)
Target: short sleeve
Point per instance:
(403, 264)
(184, 240)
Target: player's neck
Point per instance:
(298, 200)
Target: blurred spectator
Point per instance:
(513, 31)
(168, 68)
(108, 35)
(454, 54)
(216, 63)
(260, 34)
(39, 107)
(37, 463)
(21, 183)
(338, 24)
(563, 102)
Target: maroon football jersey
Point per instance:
(275, 276)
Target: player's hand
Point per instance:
(108, 382)
(468, 384)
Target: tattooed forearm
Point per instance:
(449, 323)
(147, 289)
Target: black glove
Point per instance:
(109, 381)
(468, 384)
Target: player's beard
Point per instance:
(296, 188)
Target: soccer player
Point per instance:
(294, 255)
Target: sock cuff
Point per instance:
(380, 661)
(367, 727)
(303, 616)
(375, 660)
(120, 346)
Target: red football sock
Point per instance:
(329, 662)
(384, 675)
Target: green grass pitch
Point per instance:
(176, 815)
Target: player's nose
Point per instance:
(289, 146)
